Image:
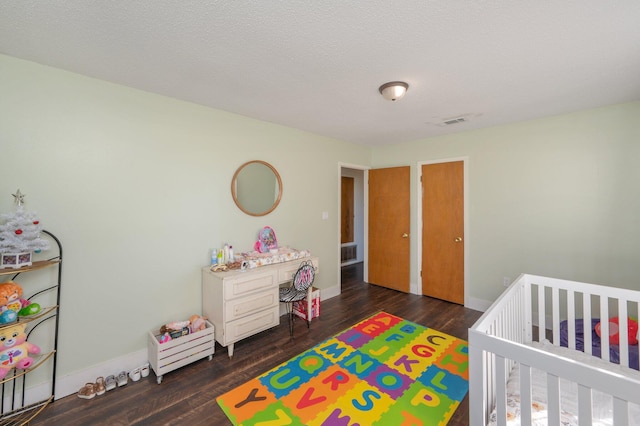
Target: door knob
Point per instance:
(458, 239)
(405, 235)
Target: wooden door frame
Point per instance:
(465, 168)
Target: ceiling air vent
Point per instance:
(451, 121)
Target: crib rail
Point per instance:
(487, 368)
(497, 343)
(558, 300)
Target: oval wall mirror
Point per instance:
(256, 188)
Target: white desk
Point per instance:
(242, 303)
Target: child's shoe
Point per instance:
(144, 370)
(87, 391)
(100, 386)
(134, 374)
(122, 379)
(110, 382)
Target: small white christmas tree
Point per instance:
(20, 231)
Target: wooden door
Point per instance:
(443, 231)
(346, 207)
(388, 231)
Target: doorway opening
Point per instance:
(352, 222)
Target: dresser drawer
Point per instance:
(241, 307)
(248, 284)
(252, 324)
(285, 274)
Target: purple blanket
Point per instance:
(614, 350)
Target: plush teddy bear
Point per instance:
(10, 301)
(197, 323)
(15, 350)
(12, 305)
(10, 294)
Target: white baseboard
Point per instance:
(328, 293)
(32, 395)
(71, 383)
(477, 304)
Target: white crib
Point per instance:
(500, 343)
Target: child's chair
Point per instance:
(300, 289)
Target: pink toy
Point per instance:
(266, 240)
(614, 331)
(15, 350)
(197, 323)
(164, 338)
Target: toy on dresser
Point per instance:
(15, 350)
(12, 304)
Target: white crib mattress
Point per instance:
(602, 405)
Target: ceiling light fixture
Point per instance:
(393, 90)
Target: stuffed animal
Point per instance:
(10, 301)
(614, 331)
(12, 305)
(197, 323)
(10, 294)
(15, 350)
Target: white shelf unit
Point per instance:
(16, 406)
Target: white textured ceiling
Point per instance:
(317, 65)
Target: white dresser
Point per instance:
(242, 303)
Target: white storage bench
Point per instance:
(176, 353)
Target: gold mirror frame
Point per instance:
(237, 179)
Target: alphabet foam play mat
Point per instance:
(383, 370)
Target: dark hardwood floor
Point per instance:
(188, 396)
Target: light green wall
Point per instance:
(558, 196)
(137, 187)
